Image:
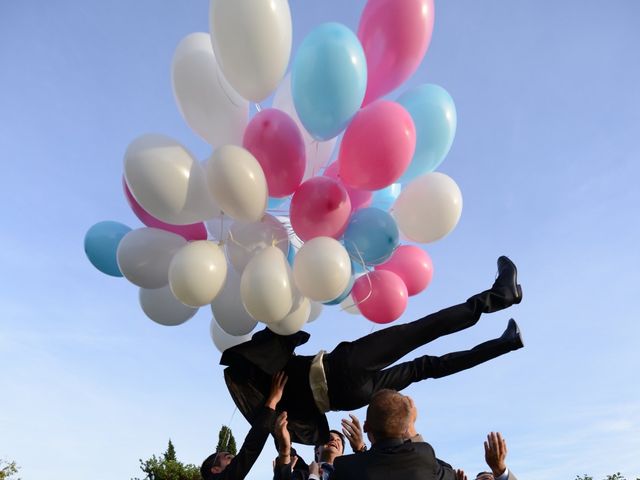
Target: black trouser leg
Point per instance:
(401, 376)
(384, 347)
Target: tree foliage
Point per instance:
(8, 470)
(167, 467)
(226, 441)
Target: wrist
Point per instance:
(499, 470)
(360, 448)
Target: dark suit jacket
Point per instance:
(391, 459)
(248, 377)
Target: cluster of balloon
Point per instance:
(208, 239)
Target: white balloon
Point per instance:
(252, 42)
(167, 181)
(237, 183)
(348, 305)
(265, 286)
(209, 105)
(322, 269)
(318, 153)
(222, 340)
(144, 256)
(245, 240)
(316, 311)
(428, 208)
(162, 307)
(197, 273)
(228, 309)
(295, 320)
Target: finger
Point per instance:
(354, 419)
(486, 448)
(346, 433)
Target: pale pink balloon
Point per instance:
(276, 142)
(381, 296)
(413, 265)
(377, 146)
(194, 231)
(320, 208)
(395, 36)
(359, 198)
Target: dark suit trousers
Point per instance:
(356, 370)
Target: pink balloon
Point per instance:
(320, 208)
(276, 142)
(359, 198)
(395, 36)
(413, 265)
(377, 147)
(380, 295)
(194, 231)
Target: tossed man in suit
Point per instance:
(347, 377)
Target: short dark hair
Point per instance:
(209, 462)
(388, 414)
(342, 439)
(484, 473)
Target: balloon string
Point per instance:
(220, 241)
(368, 279)
(258, 107)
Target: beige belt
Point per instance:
(318, 383)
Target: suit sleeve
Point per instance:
(252, 446)
(284, 472)
(444, 471)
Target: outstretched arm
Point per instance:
(260, 428)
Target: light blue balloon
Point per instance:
(101, 244)
(383, 199)
(434, 115)
(344, 294)
(328, 80)
(371, 234)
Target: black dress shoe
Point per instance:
(506, 283)
(513, 335)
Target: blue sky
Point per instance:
(546, 156)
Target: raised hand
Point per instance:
(283, 439)
(495, 453)
(278, 381)
(460, 475)
(353, 431)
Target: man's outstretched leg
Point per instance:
(380, 349)
(400, 376)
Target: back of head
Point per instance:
(207, 465)
(388, 415)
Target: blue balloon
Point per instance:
(372, 234)
(383, 199)
(434, 115)
(101, 245)
(328, 80)
(344, 294)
